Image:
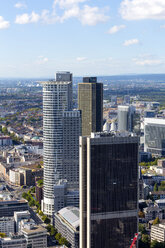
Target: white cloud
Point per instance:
(92, 15)
(115, 29)
(142, 9)
(81, 59)
(86, 14)
(26, 18)
(147, 62)
(162, 26)
(4, 24)
(42, 60)
(67, 3)
(20, 5)
(130, 42)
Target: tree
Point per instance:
(33, 190)
(40, 182)
(32, 203)
(53, 231)
(44, 217)
(142, 228)
(4, 130)
(62, 241)
(156, 221)
(58, 236)
(24, 195)
(145, 241)
(41, 213)
(141, 214)
(48, 227)
(162, 186)
(2, 235)
(156, 244)
(47, 220)
(155, 187)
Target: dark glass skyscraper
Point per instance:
(90, 102)
(108, 190)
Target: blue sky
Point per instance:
(99, 37)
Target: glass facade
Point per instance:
(114, 184)
(113, 177)
(155, 138)
(90, 102)
(113, 233)
(109, 191)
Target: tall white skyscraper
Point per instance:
(57, 108)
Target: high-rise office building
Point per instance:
(108, 190)
(71, 133)
(154, 136)
(113, 100)
(125, 118)
(126, 99)
(63, 76)
(90, 102)
(61, 149)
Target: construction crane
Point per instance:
(133, 245)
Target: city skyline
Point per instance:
(38, 37)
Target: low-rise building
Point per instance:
(152, 212)
(7, 225)
(158, 232)
(18, 216)
(14, 241)
(161, 162)
(36, 236)
(158, 195)
(5, 141)
(67, 223)
(30, 174)
(63, 196)
(160, 203)
(7, 208)
(16, 177)
(26, 224)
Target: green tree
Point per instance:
(142, 228)
(162, 186)
(145, 241)
(40, 182)
(2, 235)
(52, 231)
(156, 244)
(4, 130)
(47, 220)
(156, 221)
(155, 187)
(48, 227)
(62, 241)
(141, 214)
(24, 195)
(33, 190)
(32, 203)
(58, 236)
(41, 213)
